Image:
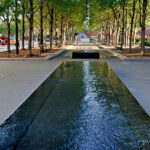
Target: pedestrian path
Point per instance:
(18, 79)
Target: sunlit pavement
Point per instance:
(136, 76)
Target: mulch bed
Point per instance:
(135, 53)
(25, 54)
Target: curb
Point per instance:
(120, 56)
(48, 57)
(55, 54)
(139, 59)
(115, 53)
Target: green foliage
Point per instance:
(6, 10)
(72, 10)
(138, 41)
(102, 12)
(3, 29)
(147, 42)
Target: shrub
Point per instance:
(147, 42)
(138, 41)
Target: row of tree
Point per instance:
(58, 17)
(117, 21)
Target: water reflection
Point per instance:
(82, 106)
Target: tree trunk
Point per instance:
(30, 28)
(113, 30)
(123, 25)
(51, 31)
(126, 23)
(8, 36)
(134, 31)
(41, 26)
(16, 23)
(87, 3)
(117, 32)
(56, 29)
(106, 34)
(45, 36)
(86, 14)
(143, 27)
(72, 33)
(33, 38)
(134, 37)
(128, 36)
(62, 30)
(67, 30)
(109, 31)
(23, 26)
(101, 35)
(132, 21)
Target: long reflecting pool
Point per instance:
(81, 106)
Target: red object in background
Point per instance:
(3, 40)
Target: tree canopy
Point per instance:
(116, 21)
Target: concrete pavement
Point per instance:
(18, 79)
(136, 76)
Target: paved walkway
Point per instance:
(136, 76)
(18, 79)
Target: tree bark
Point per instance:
(126, 23)
(62, 30)
(123, 25)
(51, 31)
(86, 14)
(72, 33)
(30, 28)
(16, 23)
(33, 38)
(117, 31)
(67, 31)
(109, 30)
(113, 30)
(132, 21)
(8, 36)
(41, 25)
(143, 27)
(106, 33)
(56, 29)
(23, 26)
(101, 35)
(134, 30)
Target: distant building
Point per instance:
(147, 33)
(86, 36)
(90, 35)
(81, 37)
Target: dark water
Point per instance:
(81, 106)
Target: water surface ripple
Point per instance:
(82, 106)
